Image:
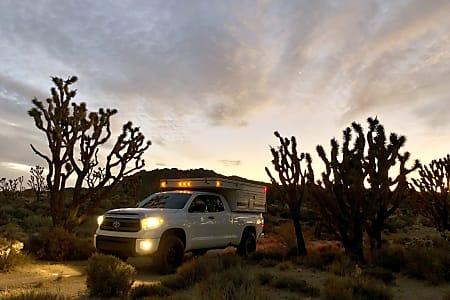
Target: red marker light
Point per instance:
(265, 189)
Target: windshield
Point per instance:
(166, 200)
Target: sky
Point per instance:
(208, 82)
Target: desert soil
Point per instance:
(69, 279)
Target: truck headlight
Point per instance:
(151, 223)
(99, 220)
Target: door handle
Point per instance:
(211, 218)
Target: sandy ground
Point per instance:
(69, 279)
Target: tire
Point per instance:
(247, 245)
(170, 255)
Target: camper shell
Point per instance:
(241, 196)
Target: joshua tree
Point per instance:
(385, 194)
(356, 192)
(293, 181)
(341, 193)
(434, 197)
(75, 136)
(11, 188)
(37, 181)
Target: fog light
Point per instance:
(145, 245)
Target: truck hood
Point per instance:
(142, 212)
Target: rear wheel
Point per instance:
(169, 255)
(247, 245)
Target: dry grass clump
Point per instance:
(234, 283)
(150, 290)
(57, 244)
(200, 268)
(428, 263)
(293, 284)
(11, 254)
(431, 264)
(32, 295)
(355, 288)
(108, 276)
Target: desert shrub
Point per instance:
(234, 283)
(427, 263)
(57, 244)
(200, 268)
(294, 284)
(290, 283)
(390, 257)
(13, 231)
(11, 255)
(32, 295)
(319, 260)
(343, 265)
(285, 265)
(174, 282)
(149, 290)
(446, 296)
(258, 256)
(379, 273)
(33, 222)
(268, 263)
(108, 276)
(265, 277)
(355, 288)
(287, 233)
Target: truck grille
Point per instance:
(113, 244)
(121, 224)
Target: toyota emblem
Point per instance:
(116, 224)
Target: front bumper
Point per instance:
(125, 246)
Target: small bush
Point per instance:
(174, 282)
(381, 274)
(285, 265)
(427, 263)
(355, 288)
(234, 283)
(259, 256)
(33, 222)
(108, 276)
(265, 278)
(319, 260)
(287, 234)
(342, 266)
(11, 255)
(200, 268)
(390, 257)
(13, 231)
(57, 244)
(32, 295)
(294, 284)
(446, 296)
(149, 290)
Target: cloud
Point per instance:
(230, 163)
(181, 70)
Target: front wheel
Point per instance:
(247, 245)
(169, 255)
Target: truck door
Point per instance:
(200, 225)
(207, 219)
(215, 210)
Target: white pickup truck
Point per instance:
(190, 215)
